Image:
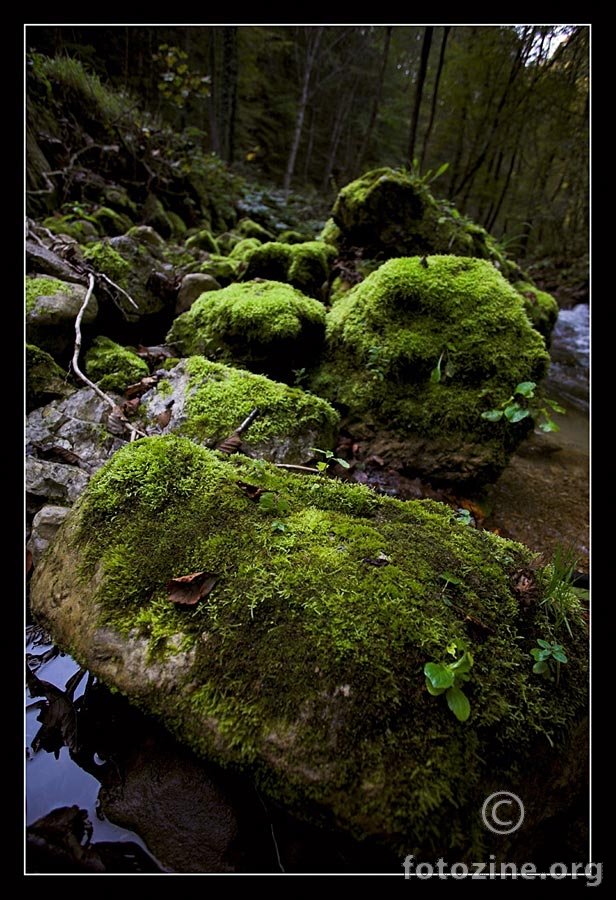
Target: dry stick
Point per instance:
(134, 431)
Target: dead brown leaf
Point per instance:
(251, 490)
(189, 589)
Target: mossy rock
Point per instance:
(52, 307)
(306, 265)
(265, 326)
(45, 380)
(207, 401)
(112, 366)
(111, 222)
(248, 228)
(391, 212)
(541, 308)
(287, 640)
(202, 240)
(421, 351)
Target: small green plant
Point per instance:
(447, 677)
(560, 587)
(523, 403)
(271, 504)
(429, 176)
(300, 376)
(323, 464)
(438, 373)
(448, 578)
(548, 656)
(377, 362)
(463, 516)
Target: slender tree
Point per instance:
(313, 41)
(421, 77)
(376, 102)
(437, 79)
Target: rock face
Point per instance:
(279, 625)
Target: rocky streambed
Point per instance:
(93, 765)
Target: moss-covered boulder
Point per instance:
(265, 326)
(45, 380)
(306, 265)
(112, 366)
(207, 401)
(281, 625)
(391, 212)
(422, 350)
(52, 307)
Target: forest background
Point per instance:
(495, 118)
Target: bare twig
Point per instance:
(118, 288)
(75, 364)
(248, 421)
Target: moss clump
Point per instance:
(219, 398)
(45, 380)
(248, 228)
(307, 655)
(244, 248)
(541, 308)
(267, 327)
(111, 222)
(224, 269)
(203, 240)
(42, 287)
(426, 350)
(113, 367)
(107, 260)
(306, 265)
(391, 212)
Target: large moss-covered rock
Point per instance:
(391, 212)
(266, 326)
(280, 625)
(421, 351)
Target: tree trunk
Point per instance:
(439, 72)
(365, 145)
(312, 48)
(421, 77)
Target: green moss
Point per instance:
(248, 228)
(41, 287)
(45, 380)
(385, 337)
(80, 227)
(111, 222)
(113, 367)
(203, 240)
(223, 268)
(243, 249)
(105, 259)
(268, 327)
(308, 654)
(220, 398)
(541, 308)
(305, 266)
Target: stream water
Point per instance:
(542, 500)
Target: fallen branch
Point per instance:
(118, 414)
